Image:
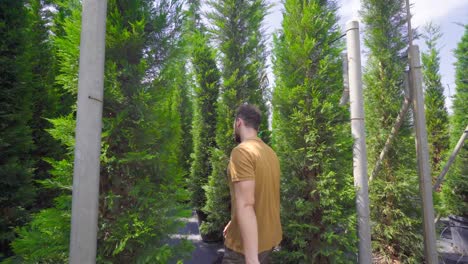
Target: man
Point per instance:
(254, 183)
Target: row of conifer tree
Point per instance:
(175, 71)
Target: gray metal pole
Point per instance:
(457, 148)
(359, 149)
(422, 150)
(88, 133)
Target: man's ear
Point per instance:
(239, 122)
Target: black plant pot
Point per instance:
(201, 216)
(212, 237)
(459, 230)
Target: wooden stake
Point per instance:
(422, 150)
(459, 145)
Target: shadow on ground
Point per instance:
(204, 253)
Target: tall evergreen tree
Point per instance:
(186, 113)
(237, 30)
(436, 112)
(140, 198)
(312, 137)
(46, 99)
(142, 168)
(207, 84)
(395, 207)
(46, 237)
(16, 163)
(455, 191)
(186, 107)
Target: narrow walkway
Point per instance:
(212, 253)
(204, 253)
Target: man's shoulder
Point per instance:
(253, 149)
(241, 149)
(245, 150)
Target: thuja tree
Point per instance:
(185, 84)
(186, 109)
(312, 137)
(237, 31)
(395, 208)
(436, 112)
(16, 163)
(140, 161)
(207, 83)
(142, 167)
(455, 191)
(46, 237)
(46, 103)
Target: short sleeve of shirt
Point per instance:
(241, 165)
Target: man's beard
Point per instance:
(237, 137)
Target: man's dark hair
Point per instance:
(250, 114)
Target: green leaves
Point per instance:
(312, 143)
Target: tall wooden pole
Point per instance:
(359, 149)
(88, 133)
(422, 150)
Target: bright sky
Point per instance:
(442, 12)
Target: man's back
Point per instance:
(254, 160)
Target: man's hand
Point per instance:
(247, 219)
(226, 228)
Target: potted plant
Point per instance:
(206, 233)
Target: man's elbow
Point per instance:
(246, 204)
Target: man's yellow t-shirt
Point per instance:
(255, 160)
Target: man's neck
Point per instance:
(252, 134)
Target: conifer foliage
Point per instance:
(237, 32)
(436, 112)
(394, 203)
(141, 167)
(173, 78)
(16, 143)
(455, 191)
(312, 137)
(207, 84)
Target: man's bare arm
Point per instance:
(247, 219)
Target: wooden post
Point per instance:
(359, 148)
(399, 121)
(88, 133)
(422, 150)
(459, 145)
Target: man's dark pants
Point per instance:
(232, 257)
